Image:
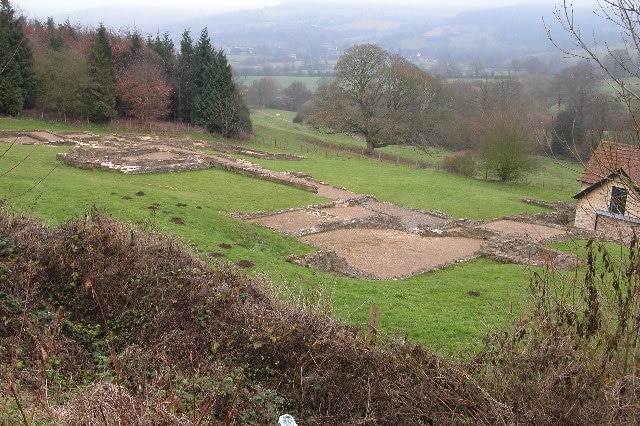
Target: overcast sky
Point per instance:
(45, 8)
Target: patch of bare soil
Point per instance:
(335, 193)
(291, 221)
(533, 231)
(387, 253)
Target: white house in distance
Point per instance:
(609, 198)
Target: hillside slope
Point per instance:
(317, 32)
(157, 336)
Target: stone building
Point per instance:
(609, 198)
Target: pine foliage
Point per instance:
(218, 104)
(17, 83)
(102, 78)
(185, 86)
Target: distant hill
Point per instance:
(321, 31)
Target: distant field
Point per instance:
(435, 308)
(611, 88)
(284, 81)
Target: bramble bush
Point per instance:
(574, 358)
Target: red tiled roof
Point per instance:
(609, 158)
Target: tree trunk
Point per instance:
(370, 146)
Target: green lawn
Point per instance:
(434, 308)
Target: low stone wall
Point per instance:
(139, 154)
(135, 161)
(524, 251)
(563, 213)
(35, 137)
(351, 202)
(253, 171)
(234, 149)
(329, 261)
(616, 229)
(371, 222)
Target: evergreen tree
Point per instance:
(133, 52)
(225, 104)
(202, 75)
(165, 50)
(218, 104)
(17, 82)
(56, 42)
(185, 88)
(102, 79)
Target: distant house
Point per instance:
(609, 198)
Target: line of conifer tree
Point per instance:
(97, 75)
(17, 82)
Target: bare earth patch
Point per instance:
(534, 231)
(387, 253)
(291, 221)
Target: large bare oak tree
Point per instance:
(383, 98)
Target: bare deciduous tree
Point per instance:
(264, 92)
(612, 60)
(506, 128)
(383, 98)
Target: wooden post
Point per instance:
(374, 317)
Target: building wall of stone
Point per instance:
(599, 199)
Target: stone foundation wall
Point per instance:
(329, 261)
(140, 155)
(616, 229)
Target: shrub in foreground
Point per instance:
(574, 359)
(103, 323)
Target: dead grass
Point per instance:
(166, 339)
(104, 324)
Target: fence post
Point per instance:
(374, 317)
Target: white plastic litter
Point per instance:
(287, 420)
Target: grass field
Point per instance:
(435, 308)
(283, 81)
